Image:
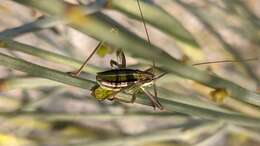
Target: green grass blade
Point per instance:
(47, 55)
(30, 27)
(40, 71)
(25, 83)
(44, 22)
(167, 23)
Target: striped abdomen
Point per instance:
(119, 78)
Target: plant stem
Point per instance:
(47, 55)
(40, 71)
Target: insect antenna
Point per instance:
(77, 72)
(225, 61)
(145, 27)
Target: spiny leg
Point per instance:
(136, 88)
(152, 70)
(77, 72)
(153, 99)
(154, 84)
(153, 104)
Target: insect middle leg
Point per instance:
(153, 102)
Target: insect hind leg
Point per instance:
(155, 102)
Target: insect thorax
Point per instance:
(120, 78)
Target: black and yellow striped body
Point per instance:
(117, 79)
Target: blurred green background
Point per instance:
(206, 105)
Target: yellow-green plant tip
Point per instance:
(2, 44)
(104, 50)
(219, 95)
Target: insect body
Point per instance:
(121, 78)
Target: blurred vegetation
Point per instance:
(213, 104)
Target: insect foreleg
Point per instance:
(121, 61)
(121, 58)
(113, 63)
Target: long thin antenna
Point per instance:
(77, 72)
(225, 61)
(145, 27)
